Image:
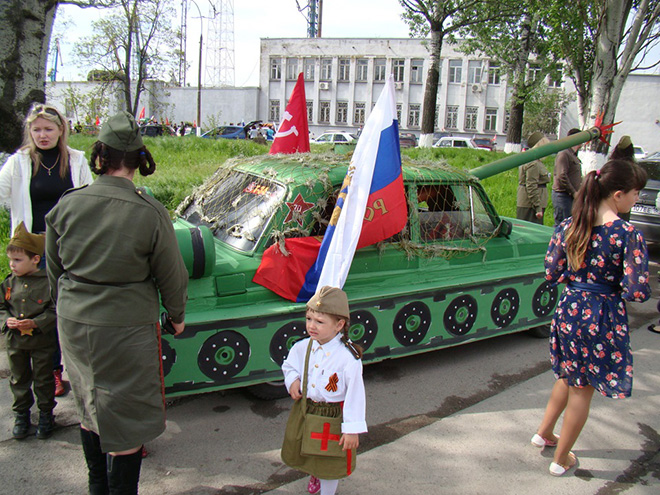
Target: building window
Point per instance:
(507, 117)
(308, 65)
(533, 72)
(275, 69)
(455, 71)
(362, 66)
(416, 67)
(493, 73)
(554, 83)
(342, 112)
(474, 71)
(398, 112)
(414, 112)
(471, 118)
(344, 69)
(491, 119)
(379, 69)
(326, 69)
(310, 111)
(274, 113)
(358, 116)
(398, 66)
(451, 120)
(291, 69)
(324, 112)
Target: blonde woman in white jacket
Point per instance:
(34, 178)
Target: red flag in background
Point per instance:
(141, 116)
(292, 135)
(167, 121)
(98, 121)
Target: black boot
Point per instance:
(46, 425)
(124, 473)
(21, 425)
(97, 466)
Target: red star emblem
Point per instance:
(297, 207)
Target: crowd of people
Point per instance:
(65, 289)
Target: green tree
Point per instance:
(25, 33)
(517, 44)
(132, 44)
(601, 43)
(441, 19)
(543, 111)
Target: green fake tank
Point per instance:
(457, 273)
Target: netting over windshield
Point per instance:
(448, 212)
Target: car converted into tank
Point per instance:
(457, 273)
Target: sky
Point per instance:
(253, 19)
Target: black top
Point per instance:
(46, 187)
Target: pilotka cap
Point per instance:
(33, 243)
(624, 142)
(534, 138)
(121, 132)
(330, 300)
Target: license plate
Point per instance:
(649, 210)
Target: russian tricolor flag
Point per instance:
(370, 208)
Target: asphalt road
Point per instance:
(228, 443)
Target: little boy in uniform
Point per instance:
(27, 318)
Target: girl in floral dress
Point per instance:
(603, 262)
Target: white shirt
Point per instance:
(324, 362)
(15, 178)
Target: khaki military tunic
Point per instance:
(30, 356)
(110, 251)
(532, 195)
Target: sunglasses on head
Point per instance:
(45, 109)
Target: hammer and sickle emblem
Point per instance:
(291, 130)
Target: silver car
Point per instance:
(645, 214)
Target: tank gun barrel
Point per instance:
(518, 159)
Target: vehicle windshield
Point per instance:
(237, 208)
(652, 169)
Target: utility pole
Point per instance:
(313, 17)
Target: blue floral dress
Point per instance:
(589, 340)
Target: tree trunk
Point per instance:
(25, 29)
(431, 91)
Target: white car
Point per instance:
(455, 142)
(335, 137)
(640, 154)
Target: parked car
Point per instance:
(455, 142)
(155, 130)
(407, 140)
(230, 131)
(335, 137)
(640, 154)
(644, 214)
(457, 273)
(485, 142)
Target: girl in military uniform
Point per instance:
(111, 251)
(332, 383)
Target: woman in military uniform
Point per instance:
(110, 251)
(533, 179)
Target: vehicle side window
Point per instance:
(444, 212)
(460, 144)
(340, 139)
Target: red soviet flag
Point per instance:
(292, 135)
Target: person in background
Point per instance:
(604, 262)
(567, 180)
(108, 289)
(533, 179)
(34, 178)
(27, 318)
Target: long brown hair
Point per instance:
(616, 175)
(53, 115)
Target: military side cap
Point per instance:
(534, 138)
(33, 243)
(330, 300)
(121, 132)
(624, 142)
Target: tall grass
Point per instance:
(183, 163)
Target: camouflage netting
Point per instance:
(313, 171)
